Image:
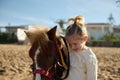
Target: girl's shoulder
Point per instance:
(89, 55)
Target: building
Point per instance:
(116, 30)
(13, 30)
(98, 30)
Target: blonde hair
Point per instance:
(78, 27)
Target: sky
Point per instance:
(47, 12)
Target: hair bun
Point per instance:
(78, 20)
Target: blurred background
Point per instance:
(102, 19)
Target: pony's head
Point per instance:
(45, 50)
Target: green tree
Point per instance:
(61, 23)
(111, 19)
(110, 37)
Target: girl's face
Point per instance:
(76, 42)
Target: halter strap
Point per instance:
(68, 58)
(43, 72)
(61, 56)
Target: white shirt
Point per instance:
(83, 65)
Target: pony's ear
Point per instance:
(52, 33)
(28, 33)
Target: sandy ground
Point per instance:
(15, 62)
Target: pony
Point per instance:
(49, 53)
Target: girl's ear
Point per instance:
(52, 33)
(85, 38)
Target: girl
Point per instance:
(83, 60)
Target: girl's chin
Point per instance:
(76, 50)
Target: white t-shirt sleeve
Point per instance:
(92, 66)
